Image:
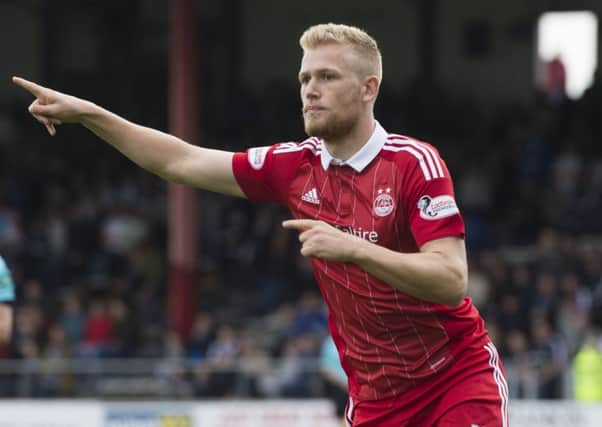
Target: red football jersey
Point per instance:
(395, 192)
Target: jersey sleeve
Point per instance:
(429, 199)
(265, 173)
(7, 287)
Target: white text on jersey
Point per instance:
(371, 236)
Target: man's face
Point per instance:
(330, 91)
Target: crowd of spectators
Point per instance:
(84, 233)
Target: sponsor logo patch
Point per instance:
(437, 207)
(257, 156)
(383, 203)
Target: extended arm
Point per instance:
(438, 273)
(155, 151)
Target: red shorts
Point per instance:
(479, 400)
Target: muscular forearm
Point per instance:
(151, 149)
(432, 276)
(164, 154)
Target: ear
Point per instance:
(370, 88)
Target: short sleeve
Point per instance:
(7, 287)
(265, 173)
(429, 200)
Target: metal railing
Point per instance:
(164, 378)
(188, 378)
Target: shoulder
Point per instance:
(409, 147)
(3, 266)
(284, 151)
(281, 152)
(410, 153)
(310, 146)
(274, 167)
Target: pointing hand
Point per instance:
(321, 240)
(52, 108)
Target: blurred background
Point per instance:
(509, 92)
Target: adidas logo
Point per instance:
(311, 197)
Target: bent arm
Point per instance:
(438, 273)
(164, 154)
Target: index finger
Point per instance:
(300, 224)
(32, 87)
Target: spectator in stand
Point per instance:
(202, 335)
(549, 355)
(72, 319)
(522, 375)
(216, 376)
(587, 370)
(98, 330)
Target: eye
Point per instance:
(303, 80)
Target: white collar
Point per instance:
(364, 156)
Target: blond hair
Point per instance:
(364, 46)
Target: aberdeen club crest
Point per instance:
(383, 203)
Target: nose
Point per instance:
(310, 90)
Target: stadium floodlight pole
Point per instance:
(183, 219)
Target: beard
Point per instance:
(330, 127)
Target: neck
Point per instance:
(345, 147)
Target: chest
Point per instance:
(365, 204)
